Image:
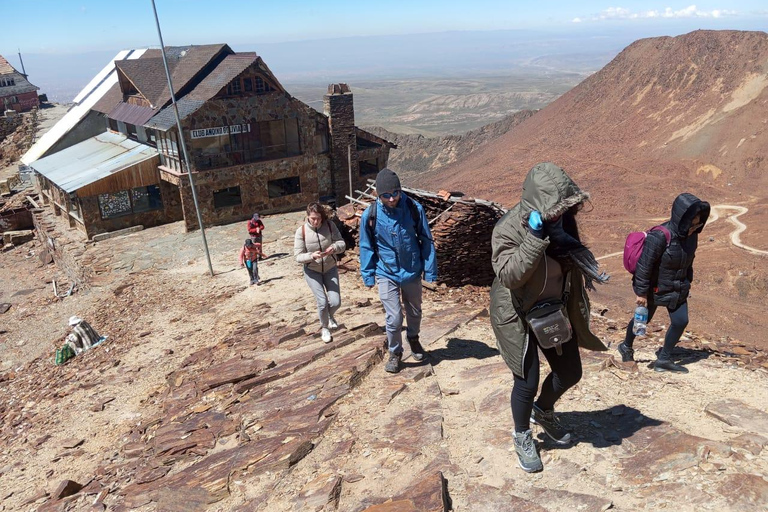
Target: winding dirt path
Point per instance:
(715, 215)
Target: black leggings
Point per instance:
(678, 322)
(566, 372)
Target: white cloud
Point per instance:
(622, 13)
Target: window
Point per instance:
(114, 205)
(227, 197)
(126, 202)
(292, 137)
(112, 124)
(321, 136)
(247, 84)
(284, 187)
(152, 136)
(262, 86)
(145, 199)
(131, 130)
(369, 167)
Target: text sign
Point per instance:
(221, 130)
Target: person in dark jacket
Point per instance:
(664, 274)
(538, 257)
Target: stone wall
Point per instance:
(64, 249)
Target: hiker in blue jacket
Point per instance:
(396, 249)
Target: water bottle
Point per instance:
(641, 321)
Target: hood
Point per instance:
(548, 189)
(684, 209)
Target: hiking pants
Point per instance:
(566, 372)
(678, 319)
(389, 293)
(325, 286)
(253, 270)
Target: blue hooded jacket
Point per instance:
(399, 257)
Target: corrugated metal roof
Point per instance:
(92, 160)
(132, 114)
(88, 97)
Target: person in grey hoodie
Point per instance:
(315, 245)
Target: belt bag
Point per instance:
(549, 323)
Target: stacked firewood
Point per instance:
(461, 229)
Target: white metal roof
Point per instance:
(91, 160)
(86, 99)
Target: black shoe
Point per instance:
(417, 351)
(393, 365)
(527, 456)
(627, 353)
(547, 421)
(665, 365)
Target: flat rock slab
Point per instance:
(485, 498)
(555, 499)
(437, 324)
(739, 414)
(322, 492)
(427, 495)
(744, 492)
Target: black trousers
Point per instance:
(566, 372)
(678, 321)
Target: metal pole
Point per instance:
(349, 164)
(23, 71)
(181, 139)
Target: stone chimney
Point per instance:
(338, 106)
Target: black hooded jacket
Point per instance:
(664, 273)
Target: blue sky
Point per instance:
(75, 27)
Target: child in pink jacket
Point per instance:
(249, 256)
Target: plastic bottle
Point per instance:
(641, 321)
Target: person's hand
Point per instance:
(535, 224)
(328, 251)
(242, 265)
(317, 255)
(642, 301)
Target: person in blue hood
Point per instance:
(396, 249)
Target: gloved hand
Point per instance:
(535, 224)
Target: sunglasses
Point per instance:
(388, 196)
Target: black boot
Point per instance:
(417, 351)
(627, 353)
(666, 365)
(393, 365)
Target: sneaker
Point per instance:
(547, 421)
(258, 282)
(393, 365)
(253, 281)
(627, 353)
(332, 325)
(325, 335)
(527, 456)
(417, 351)
(665, 365)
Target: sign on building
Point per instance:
(221, 130)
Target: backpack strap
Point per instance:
(667, 233)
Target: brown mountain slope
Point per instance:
(667, 115)
(693, 108)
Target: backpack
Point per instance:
(415, 215)
(633, 247)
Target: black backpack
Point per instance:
(371, 226)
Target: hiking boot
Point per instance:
(393, 365)
(627, 353)
(332, 325)
(665, 365)
(527, 456)
(417, 351)
(547, 421)
(325, 335)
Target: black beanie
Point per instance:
(387, 181)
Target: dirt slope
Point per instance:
(667, 115)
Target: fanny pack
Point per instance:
(549, 322)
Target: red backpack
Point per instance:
(633, 247)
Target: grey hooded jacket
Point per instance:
(308, 240)
(518, 261)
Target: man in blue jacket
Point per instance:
(396, 248)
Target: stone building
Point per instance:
(252, 146)
(16, 93)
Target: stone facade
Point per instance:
(339, 107)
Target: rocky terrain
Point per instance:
(416, 154)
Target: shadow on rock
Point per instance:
(461, 349)
(684, 356)
(602, 428)
(275, 256)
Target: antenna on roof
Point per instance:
(23, 71)
(181, 139)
